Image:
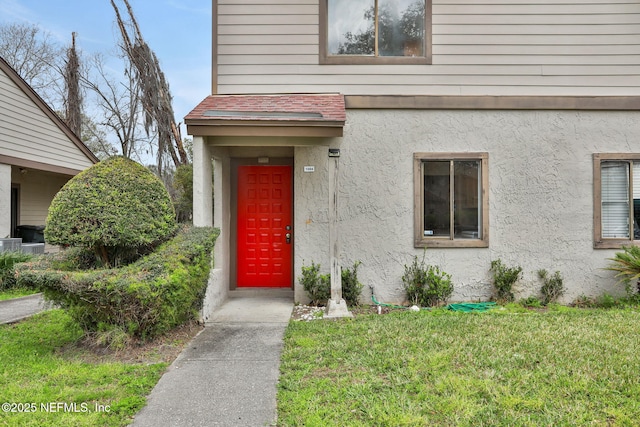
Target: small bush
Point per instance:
(531, 302)
(426, 285)
(351, 287)
(607, 301)
(117, 208)
(7, 273)
(318, 286)
(144, 299)
(604, 301)
(583, 301)
(553, 287)
(503, 280)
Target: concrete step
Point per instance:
(262, 293)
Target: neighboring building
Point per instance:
(38, 154)
(479, 130)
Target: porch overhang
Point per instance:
(291, 115)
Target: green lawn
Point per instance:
(47, 387)
(500, 368)
(16, 293)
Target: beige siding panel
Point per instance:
(268, 39)
(533, 8)
(37, 190)
(537, 50)
(539, 39)
(530, 29)
(542, 60)
(538, 19)
(442, 70)
(15, 144)
(270, 3)
(543, 2)
(256, 49)
(28, 133)
(311, 19)
(274, 59)
(415, 80)
(501, 90)
(267, 9)
(486, 47)
(280, 29)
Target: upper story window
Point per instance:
(375, 31)
(616, 200)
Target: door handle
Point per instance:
(288, 238)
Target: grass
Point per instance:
(16, 293)
(36, 375)
(501, 368)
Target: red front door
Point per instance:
(265, 230)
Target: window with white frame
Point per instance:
(451, 200)
(375, 31)
(616, 199)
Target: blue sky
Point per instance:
(178, 31)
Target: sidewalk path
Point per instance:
(227, 375)
(16, 309)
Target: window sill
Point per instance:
(448, 243)
(614, 243)
(374, 60)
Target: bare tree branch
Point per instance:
(155, 95)
(119, 102)
(36, 58)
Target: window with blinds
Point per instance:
(618, 199)
(615, 200)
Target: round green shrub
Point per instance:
(117, 208)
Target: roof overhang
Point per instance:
(292, 115)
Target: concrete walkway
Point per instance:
(16, 309)
(227, 375)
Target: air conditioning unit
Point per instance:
(13, 244)
(33, 248)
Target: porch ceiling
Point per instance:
(291, 115)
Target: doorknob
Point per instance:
(288, 238)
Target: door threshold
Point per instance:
(261, 292)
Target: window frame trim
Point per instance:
(420, 241)
(326, 59)
(600, 242)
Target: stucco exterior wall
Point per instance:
(540, 196)
(311, 212)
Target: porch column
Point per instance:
(5, 200)
(336, 306)
(202, 203)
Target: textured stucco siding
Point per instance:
(540, 195)
(311, 212)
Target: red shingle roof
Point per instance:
(304, 108)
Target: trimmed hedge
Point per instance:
(117, 208)
(7, 273)
(144, 299)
